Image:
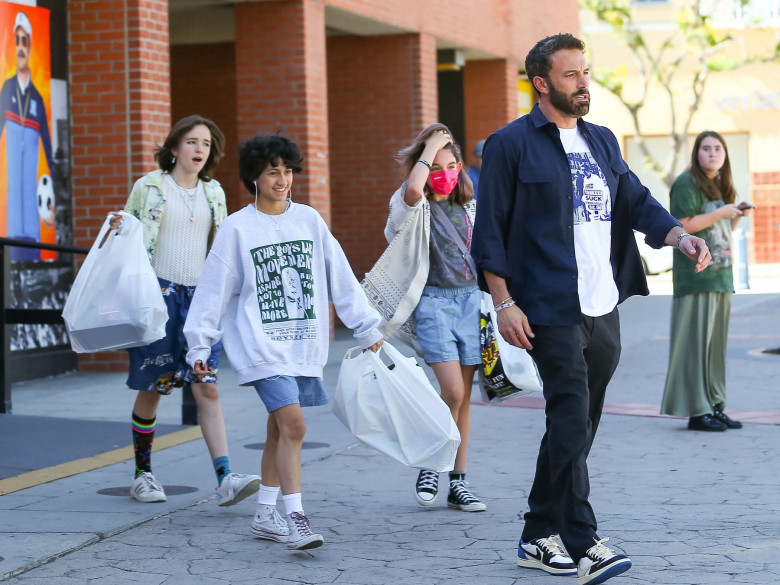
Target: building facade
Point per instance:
(351, 81)
(743, 104)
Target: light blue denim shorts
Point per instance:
(279, 391)
(447, 322)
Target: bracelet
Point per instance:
(681, 236)
(425, 162)
(504, 305)
(501, 303)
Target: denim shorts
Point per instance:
(279, 391)
(160, 367)
(447, 321)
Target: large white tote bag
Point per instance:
(394, 409)
(115, 301)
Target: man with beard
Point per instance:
(554, 245)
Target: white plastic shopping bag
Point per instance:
(115, 301)
(507, 371)
(394, 409)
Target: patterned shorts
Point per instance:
(160, 367)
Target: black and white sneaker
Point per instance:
(601, 563)
(461, 498)
(546, 554)
(427, 487)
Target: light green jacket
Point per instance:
(147, 203)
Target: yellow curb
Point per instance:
(55, 472)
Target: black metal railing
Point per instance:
(13, 316)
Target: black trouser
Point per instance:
(576, 364)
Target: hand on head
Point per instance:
(439, 139)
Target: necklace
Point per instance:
(274, 218)
(23, 113)
(189, 199)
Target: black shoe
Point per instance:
(427, 487)
(705, 422)
(726, 420)
(461, 498)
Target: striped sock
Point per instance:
(143, 435)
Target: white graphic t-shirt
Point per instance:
(592, 227)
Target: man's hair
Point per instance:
(407, 157)
(257, 153)
(164, 156)
(538, 62)
(719, 187)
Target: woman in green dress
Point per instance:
(703, 199)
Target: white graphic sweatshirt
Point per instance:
(264, 291)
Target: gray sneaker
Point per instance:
(235, 487)
(301, 537)
(270, 526)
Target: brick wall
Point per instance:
(119, 109)
(381, 93)
(203, 81)
(766, 219)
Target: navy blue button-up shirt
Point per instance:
(524, 229)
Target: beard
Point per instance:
(566, 104)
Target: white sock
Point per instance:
(266, 495)
(292, 503)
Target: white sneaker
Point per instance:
(146, 488)
(301, 537)
(601, 563)
(546, 554)
(235, 487)
(270, 526)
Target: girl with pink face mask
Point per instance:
(447, 313)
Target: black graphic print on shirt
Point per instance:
(285, 289)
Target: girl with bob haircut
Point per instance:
(272, 270)
(702, 198)
(180, 207)
(447, 314)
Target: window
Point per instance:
(731, 13)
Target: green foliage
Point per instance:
(721, 63)
(691, 51)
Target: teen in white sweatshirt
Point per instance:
(264, 290)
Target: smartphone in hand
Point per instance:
(745, 205)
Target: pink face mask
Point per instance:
(443, 182)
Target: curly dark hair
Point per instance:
(164, 156)
(257, 153)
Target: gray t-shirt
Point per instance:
(448, 267)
